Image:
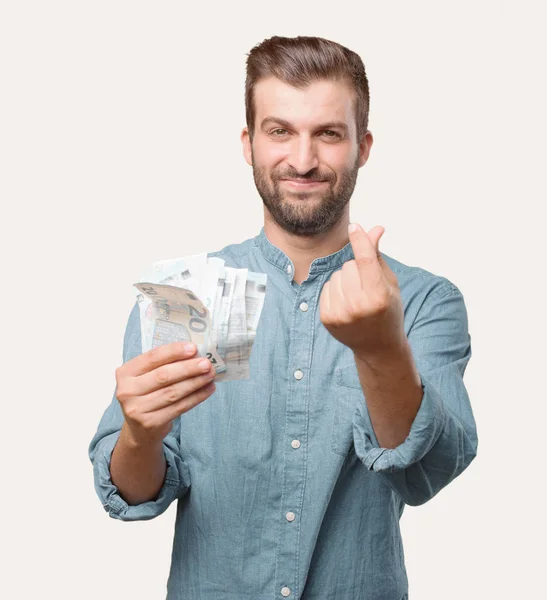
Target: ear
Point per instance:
(364, 148)
(246, 142)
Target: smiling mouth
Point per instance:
(303, 183)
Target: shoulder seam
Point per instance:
(230, 254)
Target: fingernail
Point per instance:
(189, 348)
(352, 227)
(204, 364)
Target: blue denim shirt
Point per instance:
(283, 489)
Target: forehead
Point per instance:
(321, 101)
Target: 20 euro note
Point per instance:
(178, 315)
(247, 293)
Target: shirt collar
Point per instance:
(279, 259)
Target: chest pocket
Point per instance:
(348, 395)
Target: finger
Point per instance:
(185, 404)
(166, 375)
(324, 301)
(168, 353)
(364, 252)
(337, 293)
(174, 393)
(351, 283)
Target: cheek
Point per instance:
(268, 156)
(343, 165)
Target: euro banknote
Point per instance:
(198, 298)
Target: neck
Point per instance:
(303, 250)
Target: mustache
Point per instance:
(307, 177)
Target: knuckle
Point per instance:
(171, 394)
(381, 304)
(148, 423)
(154, 356)
(352, 308)
(122, 392)
(348, 318)
(365, 260)
(121, 396)
(345, 320)
(162, 375)
(357, 309)
(131, 412)
(325, 315)
(335, 320)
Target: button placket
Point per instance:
(301, 343)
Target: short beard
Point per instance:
(302, 220)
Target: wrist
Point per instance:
(396, 352)
(137, 443)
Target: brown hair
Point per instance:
(299, 61)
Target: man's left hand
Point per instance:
(361, 304)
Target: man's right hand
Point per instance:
(156, 387)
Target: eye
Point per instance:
(274, 132)
(335, 134)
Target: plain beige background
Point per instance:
(119, 146)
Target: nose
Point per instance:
(303, 155)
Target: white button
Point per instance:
(290, 516)
(289, 269)
(295, 444)
(298, 374)
(285, 591)
(303, 307)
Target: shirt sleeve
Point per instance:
(177, 477)
(442, 440)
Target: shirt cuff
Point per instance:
(177, 481)
(424, 432)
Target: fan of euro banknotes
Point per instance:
(197, 298)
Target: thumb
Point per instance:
(374, 235)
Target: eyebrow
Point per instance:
(284, 123)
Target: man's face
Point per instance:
(305, 154)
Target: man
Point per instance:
(292, 483)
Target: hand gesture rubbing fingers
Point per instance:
(361, 305)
